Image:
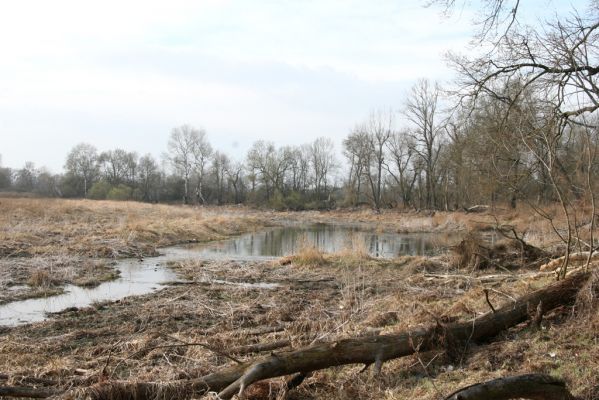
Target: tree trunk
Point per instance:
(32, 393)
(533, 386)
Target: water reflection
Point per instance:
(327, 238)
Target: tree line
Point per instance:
(519, 124)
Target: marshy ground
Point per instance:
(292, 302)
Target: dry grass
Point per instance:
(356, 251)
(308, 256)
(318, 297)
(40, 278)
(324, 302)
(109, 229)
(51, 242)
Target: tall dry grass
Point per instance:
(308, 254)
(108, 228)
(356, 249)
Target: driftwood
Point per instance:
(533, 386)
(364, 350)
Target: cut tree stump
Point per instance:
(375, 350)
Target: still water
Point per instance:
(148, 275)
(329, 239)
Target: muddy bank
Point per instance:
(29, 277)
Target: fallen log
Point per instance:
(574, 257)
(479, 208)
(29, 392)
(532, 386)
(363, 350)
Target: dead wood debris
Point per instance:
(367, 350)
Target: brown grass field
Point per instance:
(319, 297)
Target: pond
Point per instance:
(139, 277)
(327, 238)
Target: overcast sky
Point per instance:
(122, 74)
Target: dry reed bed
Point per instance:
(319, 297)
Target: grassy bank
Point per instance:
(46, 243)
(31, 227)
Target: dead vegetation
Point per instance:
(47, 243)
(192, 329)
(31, 227)
(221, 313)
(474, 253)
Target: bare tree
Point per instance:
(355, 149)
(25, 178)
(379, 129)
(421, 110)
(322, 161)
(555, 70)
(181, 154)
(82, 163)
(236, 178)
(400, 148)
(148, 177)
(119, 166)
(299, 168)
(220, 168)
(270, 164)
(495, 17)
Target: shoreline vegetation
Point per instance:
(221, 310)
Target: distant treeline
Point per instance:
(438, 161)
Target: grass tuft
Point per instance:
(40, 278)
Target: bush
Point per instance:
(294, 201)
(120, 192)
(99, 190)
(278, 201)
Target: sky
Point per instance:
(122, 74)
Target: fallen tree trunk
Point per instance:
(574, 257)
(29, 392)
(533, 386)
(479, 208)
(364, 350)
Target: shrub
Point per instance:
(99, 190)
(120, 192)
